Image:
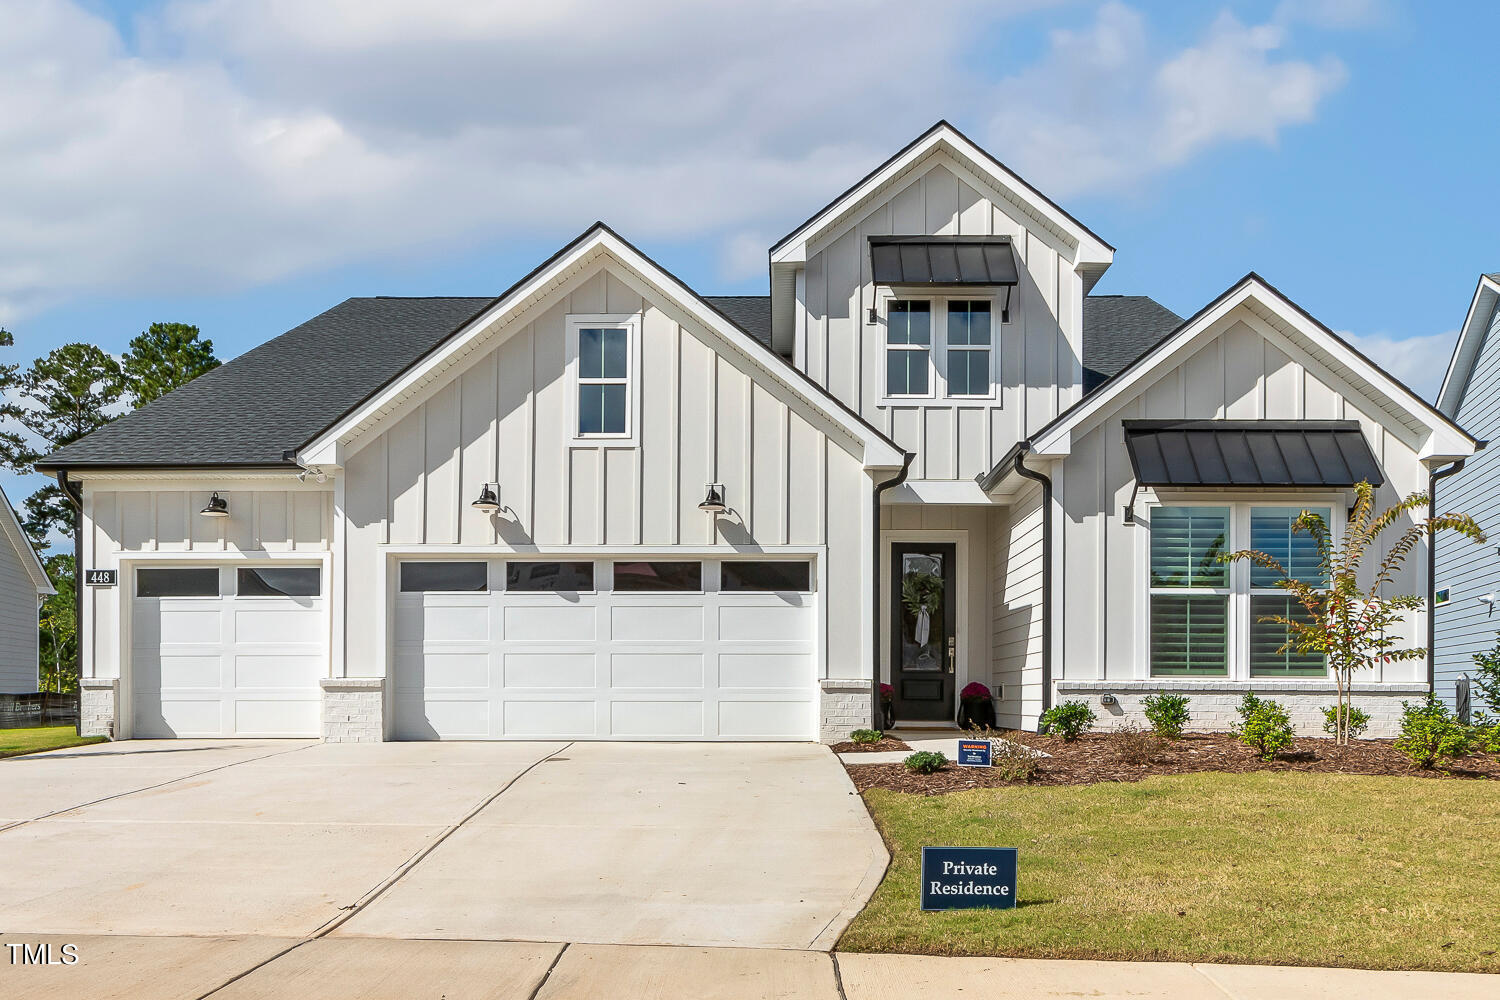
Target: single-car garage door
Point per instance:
(227, 650)
(606, 649)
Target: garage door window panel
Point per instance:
(766, 576)
(177, 582)
(290, 581)
(659, 577)
(444, 577)
(549, 577)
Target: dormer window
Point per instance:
(908, 348)
(604, 362)
(969, 348)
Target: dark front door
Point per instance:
(922, 630)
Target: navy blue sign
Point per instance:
(974, 753)
(968, 878)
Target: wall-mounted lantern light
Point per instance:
(217, 507)
(489, 498)
(713, 503)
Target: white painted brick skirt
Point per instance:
(97, 706)
(845, 706)
(353, 709)
(1213, 704)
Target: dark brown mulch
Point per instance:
(1097, 757)
(886, 744)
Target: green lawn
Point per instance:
(1284, 869)
(19, 741)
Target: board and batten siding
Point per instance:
(1040, 349)
(19, 641)
(161, 518)
(1466, 625)
(1238, 374)
(704, 417)
(1016, 612)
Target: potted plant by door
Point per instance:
(976, 710)
(888, 705)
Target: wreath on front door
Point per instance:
(921, 595)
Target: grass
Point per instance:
(1282, 869)
(18, 741)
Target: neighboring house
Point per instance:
(23, 585)
(1467, 576)
(602, 506)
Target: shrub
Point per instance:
(974, 691)
(1356, 721)
(866, 736)
(1167, 713)
(1012, 761)
(1263, 726)
(925, 762)
(1486, 736)
(1430, 733)
(1135, 745)
(1069, 720)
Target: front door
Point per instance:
(923, 636)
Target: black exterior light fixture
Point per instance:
(217, 507)
(713, 504)
(489, 498)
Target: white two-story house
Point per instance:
(602, 506)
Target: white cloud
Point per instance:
(242, 141)
(1419, 361)
(1105, 110)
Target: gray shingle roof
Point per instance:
(751, 313)
(1117, 329)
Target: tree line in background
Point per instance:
(52, 402)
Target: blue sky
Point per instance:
(245, 164)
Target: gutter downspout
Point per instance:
(76, 498)
(877, 718)
(1046, 482)
(1432, 481)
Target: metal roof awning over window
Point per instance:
(1250, 453)
(943, 260)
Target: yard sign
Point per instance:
(968, 878)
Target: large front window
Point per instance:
(1206, 615)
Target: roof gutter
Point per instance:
(1020, 452)
(1432, 481)
(74, 494)
(877, 718)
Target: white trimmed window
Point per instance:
(908, 348)
(968, 348)
(603, 359)
(1205, 615)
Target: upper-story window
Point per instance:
(605, 370)
(968, 347)
(939, 348)
(908, 348)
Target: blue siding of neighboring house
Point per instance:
(1466, 625)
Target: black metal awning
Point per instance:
(943, 260)
(1250, 453)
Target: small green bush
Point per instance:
(1430, 734)
(1167, 713)
(925, 762)
(866, 736)
(1263, 726)
(1486, 736)
(1356, 721)
(1069, 720)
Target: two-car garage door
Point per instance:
(605, 649)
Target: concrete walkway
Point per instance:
(176, 968)
(946, 744)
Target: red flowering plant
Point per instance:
(887, 694)
(974, 691)
(1353, 624)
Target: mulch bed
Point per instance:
(1097, 757)
(886, 745)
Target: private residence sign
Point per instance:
(968, 878)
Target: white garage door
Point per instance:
(606, 649)
(227, 651)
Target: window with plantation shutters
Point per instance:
(1271, 532)
(1189, 628)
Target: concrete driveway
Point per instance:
(758, 845)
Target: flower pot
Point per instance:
(888, 713)
(976, 714)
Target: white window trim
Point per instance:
(886, 347)
(1239, 589)
(631, 324)
(937, 349)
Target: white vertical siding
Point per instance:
(1016, 612)
(1040, 349)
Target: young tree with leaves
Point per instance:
(58, 622)
(163, 357)
(1353, 626)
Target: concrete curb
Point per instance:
(880, 860)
